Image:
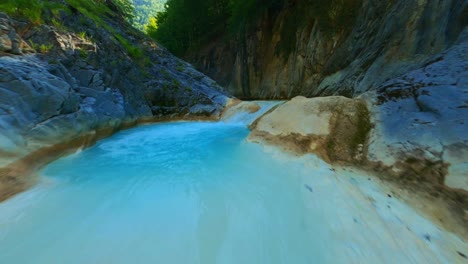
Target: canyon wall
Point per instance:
(285, 54)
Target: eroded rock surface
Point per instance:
(381, 41)
(411, 131)
(73, 89)
(420, 119)
(237, 106)
(333, 127)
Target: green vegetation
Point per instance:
(37, 11)
(189, 24)
(92, 12)
(92, 9)
(349, 135)
(363, 127)
(83, 54)
(241, 14)
(57, 23)
(145, 10)
(43, 48)
(33, 10)
(33, 45)
(125, 8)
(81, 34)
(134, 52)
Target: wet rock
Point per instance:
(238, 106)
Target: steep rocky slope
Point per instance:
(385, 39)
(64, 86)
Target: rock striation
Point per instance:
(381, 41)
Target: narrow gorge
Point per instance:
(294, 132)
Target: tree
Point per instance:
(145, 10)
(187, 24)
(124, 7)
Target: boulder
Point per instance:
(335, 128)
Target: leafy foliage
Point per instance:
(98, 12)
(145, 10)
(134, 52)
(243, 13)
(187, 24)
(36, 11)
(33, 10)
(125, 8)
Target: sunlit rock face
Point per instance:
(10, 41)
(334, 127)
(60, 87)
(246, 112)
(239, 107)
(421, 120)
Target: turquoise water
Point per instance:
(197, 192)
(169, 193)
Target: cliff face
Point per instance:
(64, 86)
(386, 39)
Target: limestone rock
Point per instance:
(75, 90)
(387, 39)
(421, 121)
(335, 128)
(239, 106)
(10, 41)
